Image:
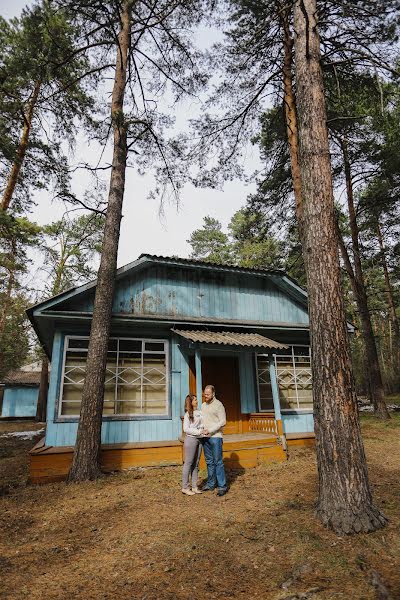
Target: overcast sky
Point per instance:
(143, 230)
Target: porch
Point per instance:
(240, 451)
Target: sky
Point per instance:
(143, 229)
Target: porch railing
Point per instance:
(263, 422)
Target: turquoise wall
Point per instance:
(169, 291)
(20, 401)
(298, 422)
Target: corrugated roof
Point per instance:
(195, 262)
(229, 338)
(22, 378)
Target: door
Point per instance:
(223, 373)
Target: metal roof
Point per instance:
(22, 377)
(195, 262)
(229, 338)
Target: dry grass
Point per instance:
(134, 536)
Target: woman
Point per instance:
(193, 428)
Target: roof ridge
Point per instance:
(206, 263)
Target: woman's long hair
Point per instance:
(189, 406)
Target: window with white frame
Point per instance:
(293, 373)
(136, 382)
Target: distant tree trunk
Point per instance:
(374, 371)
(43, 390)
(389, 293)
(345, 501)
(86, 463)
(23, 144)
(8, 292)
(290, 113)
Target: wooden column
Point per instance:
(199, 383)
(277, 404)
(275, 389)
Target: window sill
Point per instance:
(110, 419)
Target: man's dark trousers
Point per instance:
(215, 465)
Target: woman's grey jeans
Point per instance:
(192, 451)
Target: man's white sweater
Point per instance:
(214, 417)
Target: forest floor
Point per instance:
(133, 535)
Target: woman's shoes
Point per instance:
(196, 490)
(188, 492)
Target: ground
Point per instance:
(134, 535)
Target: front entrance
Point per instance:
(223, 373)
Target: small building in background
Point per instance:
(21, 392)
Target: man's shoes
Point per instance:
(207, 489)
(187, 492)
(221, 492)
(196, 490)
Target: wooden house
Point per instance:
(21, 392)
(177, 325)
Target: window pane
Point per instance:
(154, 346)
(264, 384)
(130, 345)
(70, 409)
(78, 343)
(112, 345)
(294, 379)
(136, 385)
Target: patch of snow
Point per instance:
(24, 435)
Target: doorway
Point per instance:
(223, 373)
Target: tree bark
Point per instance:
(345, 501)
(86, 460)
(9, 290)
(290, 113)
(43, 390)
(374, 371)
(389, 291)
(23, 144)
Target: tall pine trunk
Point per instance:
(290, 113)
(395, 348)
(86, 460)
(23, 144)
(41, 409)
(374, 374)
(345, 501)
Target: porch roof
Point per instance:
(229, 338)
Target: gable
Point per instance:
(177, 292)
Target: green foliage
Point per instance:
(17, 235)
(248, 244)
(70, 247)
(15, 334)
(210, 243)
(38, 51)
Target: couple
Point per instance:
(204, 429)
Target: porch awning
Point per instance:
(228, 338)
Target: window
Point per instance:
(264, 383)
(293, 373)
(136, 377)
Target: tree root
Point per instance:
(347, 522)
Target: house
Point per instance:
(177, 325)
(21, 392)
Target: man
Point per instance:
(214, 419)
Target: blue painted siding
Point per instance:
(298, 422)
(248, 390)
(189, 293)
(20, 401)
(115, 432)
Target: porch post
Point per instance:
(274, 386)
(277, 404)
(199, 383)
